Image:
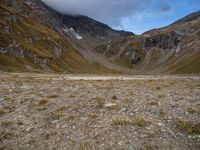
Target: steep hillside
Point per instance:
(172, 49)
(33, 38)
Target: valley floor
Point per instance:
(41, 111)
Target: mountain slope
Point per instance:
(172, 49)
(32, 39)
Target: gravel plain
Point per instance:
(88, 112)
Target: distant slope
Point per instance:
(188, 18)
(172, 49)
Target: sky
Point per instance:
(137, 16)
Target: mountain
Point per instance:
(34, 37)
(172, 49)
(86, 25)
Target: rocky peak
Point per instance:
(86, 25)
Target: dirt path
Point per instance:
(40, 111)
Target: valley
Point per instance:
(74, 83)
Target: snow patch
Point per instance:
(72, 31)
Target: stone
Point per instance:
(109, 105)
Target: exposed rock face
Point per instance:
(164, 41)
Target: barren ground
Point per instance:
(44, 112)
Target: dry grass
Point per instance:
(7, 123)
(93, 115)
(150, 146)
(71, 117)
(161, 95)
(193, 111)
(192, 128)
(58, 113)
(3, 111)
(85, 145)
(100, 102)
(123, 122)
(5, 134)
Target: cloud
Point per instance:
(112, 12)
(166, 8)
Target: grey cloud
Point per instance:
(111, 12)
(166, 8)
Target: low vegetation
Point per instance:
(189, 127)
(100, 102)
(134, 122)
(85, 145)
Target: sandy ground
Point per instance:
(86, 112)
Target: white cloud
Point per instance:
(107, 11)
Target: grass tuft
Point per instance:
(193, 111)
(58, 113)
(191, 128)
(4, 135)
(7, 123)
(93, 115)
(2, 111)
(100, 102)
(123, 122)
(161, 95)
(85, 145)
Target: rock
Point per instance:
(123, 110)
(109, 105)
(164, 41)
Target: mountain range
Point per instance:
(35, 38)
